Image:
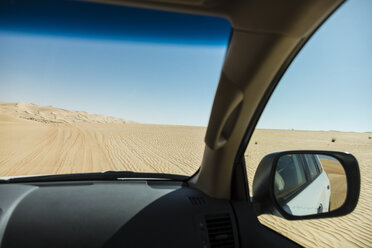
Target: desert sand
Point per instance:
(46, 140)
(50, 114)
(353, 230)
(337, 179)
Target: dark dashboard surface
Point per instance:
(126, 213)
(134, 213)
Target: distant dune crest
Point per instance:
(50, 114)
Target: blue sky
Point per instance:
(150, 72)
(171, 79)
(329, 84)
(146, 82)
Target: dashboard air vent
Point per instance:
(220, 231)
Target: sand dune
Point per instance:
(62, 141)
(49, 114)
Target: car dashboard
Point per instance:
(127, 213)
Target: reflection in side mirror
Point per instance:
(308, 184)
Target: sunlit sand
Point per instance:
(353, 230)
(45, 140)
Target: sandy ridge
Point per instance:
(50, 114)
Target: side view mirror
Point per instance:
(306, 184)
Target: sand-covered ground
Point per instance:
(353, 230)
(337, 180)
(69, 142)
(46, 140)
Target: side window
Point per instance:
(313, 168)
(323, 102)
(318, 163)
(291, 171)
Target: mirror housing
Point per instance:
(264, 200)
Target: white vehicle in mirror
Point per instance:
(301, 185)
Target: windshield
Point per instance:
(86, 87)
